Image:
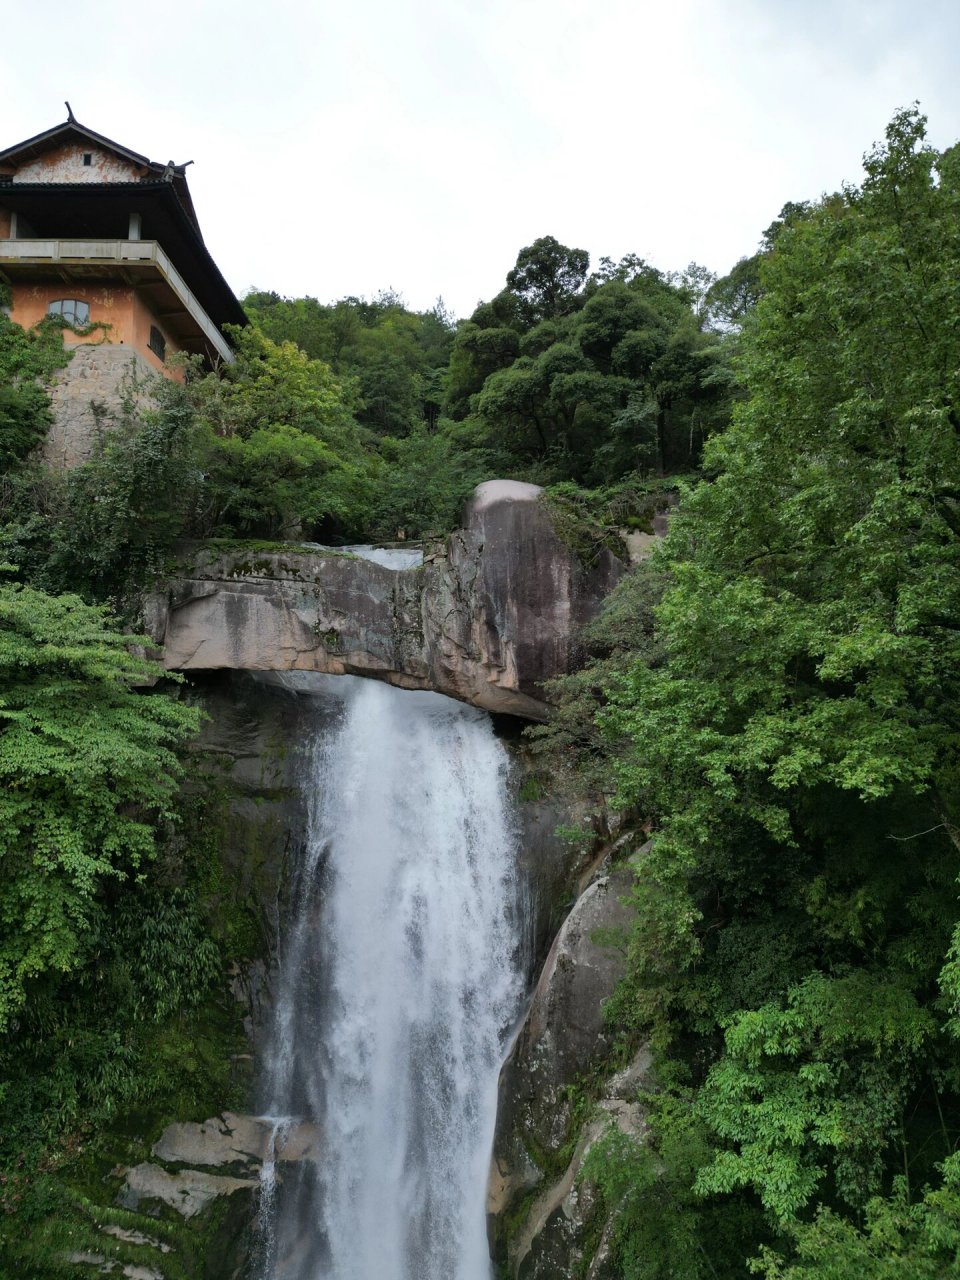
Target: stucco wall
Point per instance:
(142, 319)
(65, 164)
(121, 307)
(108, 305)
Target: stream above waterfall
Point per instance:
(401, 972)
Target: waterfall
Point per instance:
(400, 976)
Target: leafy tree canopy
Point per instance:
(591, 378)
(546, 279)
(395, 358)
(27, 360)
(788, 725)
(87, 765)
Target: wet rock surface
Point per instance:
(230, 1139)
(237, 1145)
(561, 1229)
(188, 1191)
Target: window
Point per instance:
(157, 343)
(74, 312)
(88, 158)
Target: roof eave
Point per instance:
(230, 307)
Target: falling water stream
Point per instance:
(399, 979)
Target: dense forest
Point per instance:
(772, 696)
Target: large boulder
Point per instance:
(537, 1212)
(487, 618)
(565, 1227)
(504, 609)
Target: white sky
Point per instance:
(347, 147)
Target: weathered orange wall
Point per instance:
(143, 318)
(108, 305)
(119, 307)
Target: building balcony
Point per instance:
(141, 264)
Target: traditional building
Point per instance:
(109, 241)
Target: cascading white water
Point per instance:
(400, 977)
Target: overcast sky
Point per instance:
(342, 148)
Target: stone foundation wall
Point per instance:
(86, 399)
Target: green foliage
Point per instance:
(24, 419)
(28, 359)
(477, 353)
(573, 748)
(786, 722)
(120, 513)
(662, 1230)
(899, 1237)
(267, 448)
(546, 278)
(812, 618)
(87, 763)
(731, 299)
(281, 451)
(101, 1040)
(423, 481)
(821, 1082)
(329, 424)
(395, 358)
(415, 470)
(588, 520)
(139, 1033)
(591, 379)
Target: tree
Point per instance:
(731, 298)
(120, 513)
(592, 385)
(477, 353)
(282, 451)
(919, 1239)
(395, 357)
(819, 569)
(790, 732)
(547, 278)
(28, 359)
(87, 766)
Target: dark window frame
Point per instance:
(73, 311)
(157, 344)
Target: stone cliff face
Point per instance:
(543, 1221)
(487, 618)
